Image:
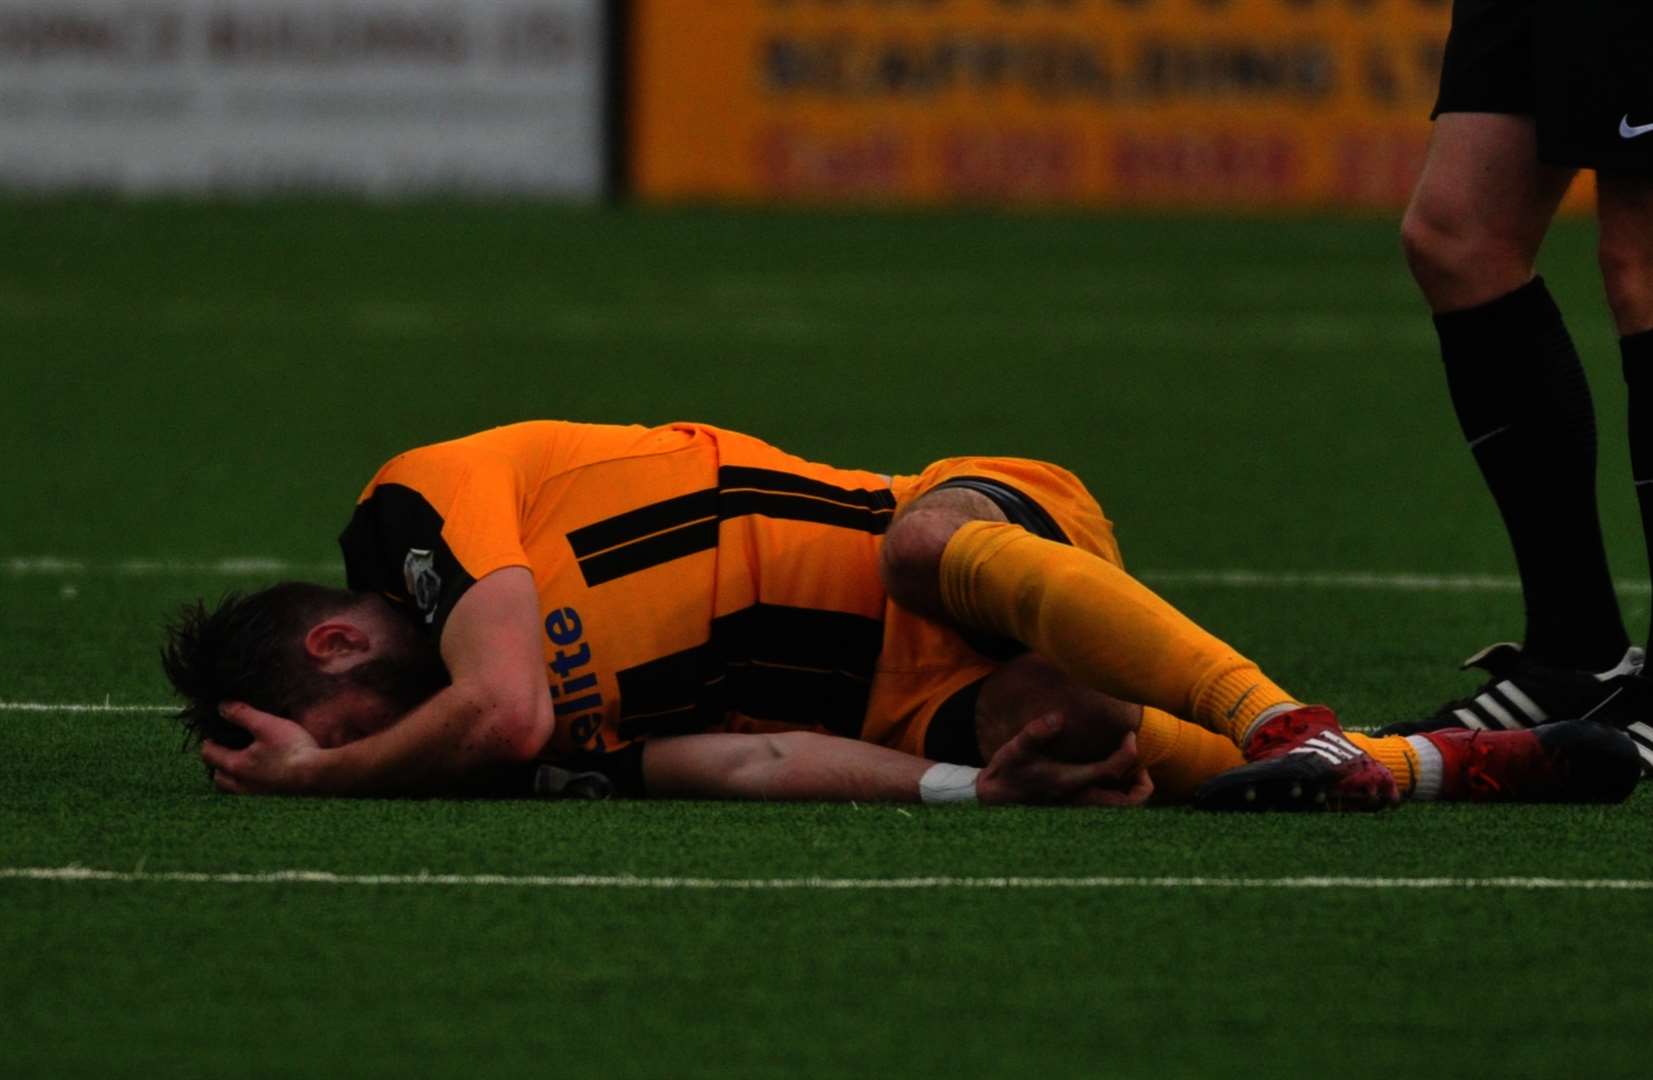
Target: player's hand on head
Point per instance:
(280, 759)
(1027, 770)
(1121, 779)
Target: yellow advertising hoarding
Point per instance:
(1145, 102)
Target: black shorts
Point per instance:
(1582, 69)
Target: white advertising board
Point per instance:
(384, 97)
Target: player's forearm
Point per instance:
(431, 749)
(789, 766)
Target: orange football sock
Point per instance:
(1101, 626)
(1394, 753)
(1180, 756)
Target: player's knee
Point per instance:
(1434, 253)
(910, 562)
(1457, 264)
(1627, 278)
(1420, 240)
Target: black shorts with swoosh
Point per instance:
(1583, 69)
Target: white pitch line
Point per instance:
(238, 566)
(601, 881)
(104, 707)
(1352, 579)
(1233, 578)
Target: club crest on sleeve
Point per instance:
(424, 584)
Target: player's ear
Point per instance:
(333, 641)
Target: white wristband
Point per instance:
(948, 783)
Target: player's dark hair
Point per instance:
(249, 648)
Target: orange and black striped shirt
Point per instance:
(689, 578)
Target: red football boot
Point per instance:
(1301, 760)
(1572, 761)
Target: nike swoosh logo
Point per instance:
(1236, 706)
(1628, 132)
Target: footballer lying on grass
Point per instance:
(685, 611)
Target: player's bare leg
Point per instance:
(952, 556)
(1624, 209)
(911, 556)
(1480, 211)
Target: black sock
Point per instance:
(1637, 350)
(1524, 405)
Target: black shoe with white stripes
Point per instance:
(1524, 694)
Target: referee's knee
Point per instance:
(1458, 266)
(1462, 258)
(1627, 278)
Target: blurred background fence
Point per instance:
(376, 96)
(1209, 103)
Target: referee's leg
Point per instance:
(1624, 206)
(1471, 235)
(1480, 211)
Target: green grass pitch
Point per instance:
(188, 384)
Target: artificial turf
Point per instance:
(187, 384)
